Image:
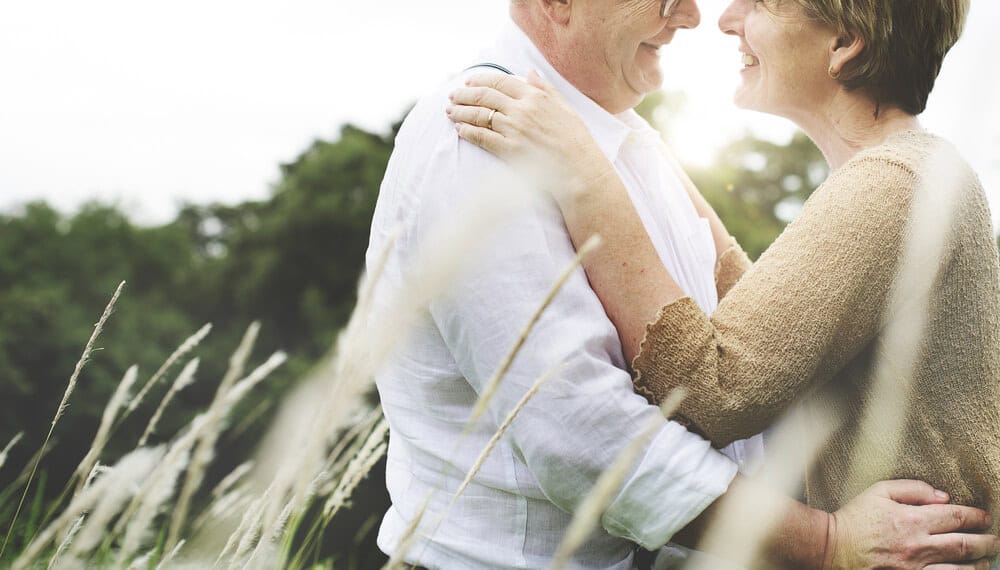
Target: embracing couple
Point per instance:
(670, 300)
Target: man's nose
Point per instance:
(685, 15)
(731, 20)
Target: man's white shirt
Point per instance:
(517, 508)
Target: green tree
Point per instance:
(758, 186)
(56, 275)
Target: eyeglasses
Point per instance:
(666, 7)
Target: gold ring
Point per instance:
(489, 121)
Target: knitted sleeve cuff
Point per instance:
(731, 265)
(672, 349)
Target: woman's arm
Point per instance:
(626, 272)
(807, 307)
(810, 304)
(532, 122)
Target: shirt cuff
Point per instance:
(677, 479)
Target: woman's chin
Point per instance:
(743, 100)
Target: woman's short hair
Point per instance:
(905, 43)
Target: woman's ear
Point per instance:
(844, 48)
(557, 10)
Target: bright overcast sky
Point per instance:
(152, 104)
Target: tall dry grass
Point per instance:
(141, 511)
(7, 448)
(114, 513)
(271, 511)
(118, 400)
(87, 351)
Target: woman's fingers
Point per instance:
(535, 80)
(490, 141)
(476, 116)
(481, 97)
(529, 119)
(510, 85)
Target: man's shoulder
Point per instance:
(427, 138)
(431, 105)
(427, 117)
(432, 171)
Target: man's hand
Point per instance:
(893, 525)
(907, 524)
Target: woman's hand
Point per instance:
(528, 123)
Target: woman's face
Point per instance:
(785, 57)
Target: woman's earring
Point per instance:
(833, 74)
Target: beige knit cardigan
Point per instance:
(807, 323)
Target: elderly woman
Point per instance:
(887, 283)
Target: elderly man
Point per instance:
(603, 56)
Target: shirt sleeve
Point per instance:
(577, 424)
(808, 306)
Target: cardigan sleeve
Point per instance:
(809, 304)
(730, 267)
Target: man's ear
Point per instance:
(557, 11)
(843, 49)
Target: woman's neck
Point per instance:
(848, 125)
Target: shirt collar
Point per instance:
(515, 50)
